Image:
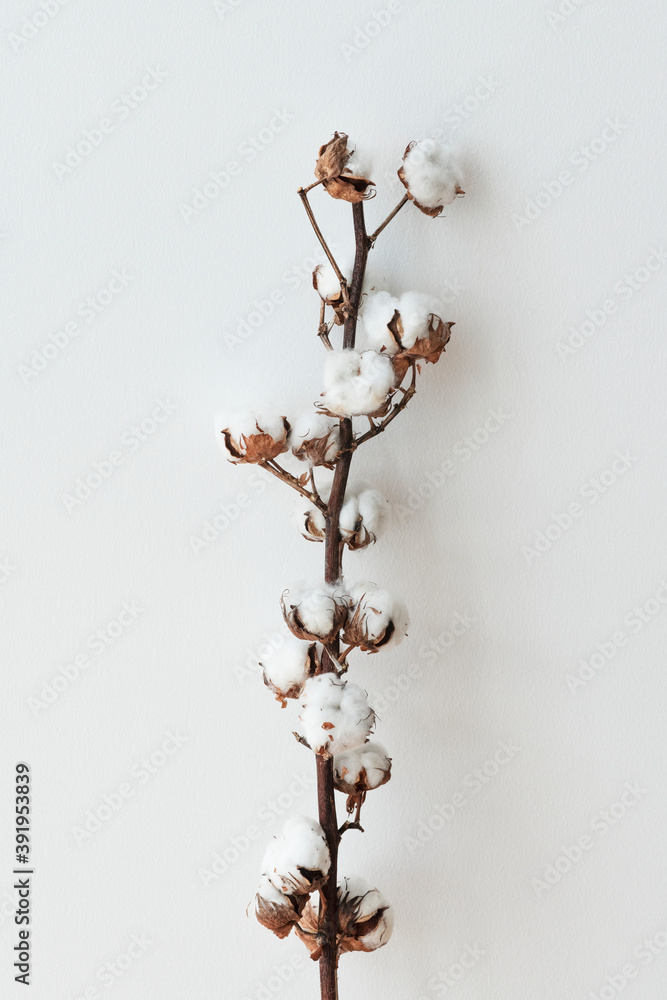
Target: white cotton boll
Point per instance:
(372, 509)
(362, 769)
(275, 910)
(335, 715)
(315, 438)
(349, 514)
(375, 619)
(289, 668)
(252, 436)
(415, 310)
(378, 311)
(431, 175)
(297, 862)
(326, 281)
(314, 525)
(314, 613)
(359, 163)
(356, 384)
(367, 919)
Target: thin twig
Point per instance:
(323, 329)
(386, 222)
(349, 825)
(287, 477)
(407, 396)
(306, 204)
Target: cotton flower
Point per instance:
(251, 437)
(357, 383)
(333, 170)
(395, 324)
(298, 861)
(289, 668)
(375, 619)
(430, 175)
(335, 715)
(366, 918)
(315, 438)
(314, 613)
(359, 771)
(275, 910)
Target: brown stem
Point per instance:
(302, 192)
(287, 477)
(329, 925)
(395, 211)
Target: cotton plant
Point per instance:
(364, 387)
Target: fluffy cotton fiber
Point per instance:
(297, 862)
(361, 518)
(289, 668)
(430, 173)
(356, 383)
(412, 322)
(314, 613)
(375, 619)
(362, 769)
(367, 919)
(315, 438)
(335, 715)
(252, 436)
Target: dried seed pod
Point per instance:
(331, 168)
(275, 910)
(308, 926)
(430, 176)
(252, 439)
(360, 771)
(289, 668)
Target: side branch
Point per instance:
(302, 192)
(287, 477)
(404, 200)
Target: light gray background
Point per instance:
(536, 91)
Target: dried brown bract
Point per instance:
(331, 168)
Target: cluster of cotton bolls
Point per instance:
(357, 383)
(374, 619)
(290, 667)
(361, 518)
(335, 715)
(366, 919)
(431, 176)
(393, 324)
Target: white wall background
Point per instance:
(520, 289)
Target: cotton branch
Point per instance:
(290, 480)
(372, 238)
